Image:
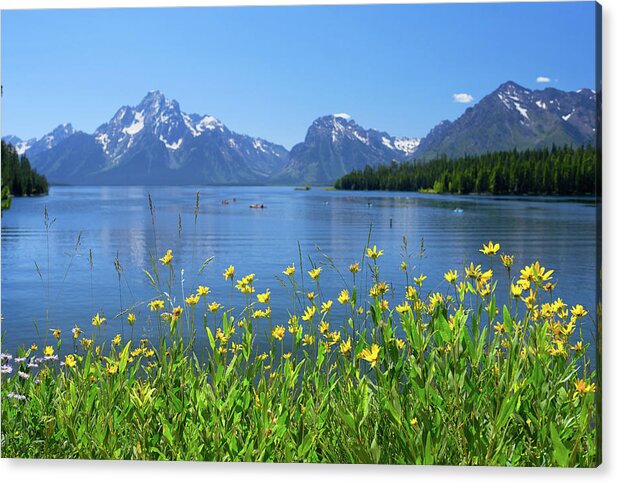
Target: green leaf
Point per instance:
(429, 457)
(210, 338)
(507, 319)
(560, 452)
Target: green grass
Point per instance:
(428, 378)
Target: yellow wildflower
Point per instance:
(530, 299)
(166, 260)
(411, 292)
(548, 286)
(56, 333)
(290, 270)
(560, 306)
(419, 280)
(578, 346)
(324, 327)
(69, 361)
(315, 273)
(156, 304)
(490, 249)
(436, 298)
(176, 312)
(373, 252)
(310, 296)
(345, 346)
(499, 328)
(516, 290)
(264, 298)
(229, 272)
(400, 343)
(582, 387)
(343, 297)
(244, 285)
(473, 272)
(214, 307)
(378, 289)
(383, 304)
(278, 332)
(308, 340)
(403, 308)
(260, 314)
(192, 300)
(86, 343)
(354, 267)
(578, 311)
(334, 337)
(97, 320)
(309, 312)
(486, 276)
(112, 368)
(203, 291)
(451, 276)
(116, 340)
(536, 273)
(34, 347)
(370, 355)
(507, 260)
(484, 289)
(326, 306)
(131, 319)
(293, 324)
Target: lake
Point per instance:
(115, 222)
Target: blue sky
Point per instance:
(270, 71)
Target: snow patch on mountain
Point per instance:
(522, 110)
(567, 116)
(172, 146)
(208, 123)
(136, 126)
(407, 145)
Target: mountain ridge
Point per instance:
(155, 142)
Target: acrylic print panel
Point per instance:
(326, 234)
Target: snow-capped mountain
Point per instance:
(20, 145)
(48, 141)
(156, 143)
(515, 117)
(336, 144)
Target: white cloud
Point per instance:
(543, 79)
(462, 97)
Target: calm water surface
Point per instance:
(115, 221)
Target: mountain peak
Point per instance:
(66, 128)
(342, 115)
(154, 94)
(509, 85)
(155, 101)
(514, 116)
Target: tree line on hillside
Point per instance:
(548, 171)
(18, 177)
